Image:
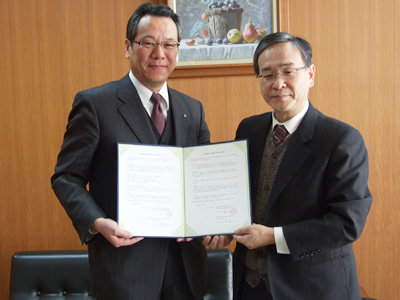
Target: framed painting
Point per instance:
(222, 32)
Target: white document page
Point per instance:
(217, 189)
(150, 190)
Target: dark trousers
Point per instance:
(246, 292)
(175, 284)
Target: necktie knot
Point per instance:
(157, 115)
(278, 134)
(155, 98)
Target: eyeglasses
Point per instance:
(269, 77)
(166, 45)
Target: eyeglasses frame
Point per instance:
(155, 44)
(262, 79)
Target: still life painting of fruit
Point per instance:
(222, 29)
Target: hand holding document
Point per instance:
(169, 191)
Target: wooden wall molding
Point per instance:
(212, 71)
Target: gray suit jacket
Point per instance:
(100, 118)
(321, 199)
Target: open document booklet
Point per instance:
(170, 191)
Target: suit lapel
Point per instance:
(296, 153)
(180, 116)
(133, 112)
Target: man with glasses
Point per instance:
(309, 178)
(139, 108)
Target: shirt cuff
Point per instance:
(92, 232)
(280, 242)
(90, 235)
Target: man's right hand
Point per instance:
(115, 235)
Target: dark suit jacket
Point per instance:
(100, 118)
(321, 199)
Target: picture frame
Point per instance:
(205, 29)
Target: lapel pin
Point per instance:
(185, 116)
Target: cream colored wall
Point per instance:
(52, 49)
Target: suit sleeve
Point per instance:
(346, 201)
(72, 170)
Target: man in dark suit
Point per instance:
(122, 267)
(309, 186)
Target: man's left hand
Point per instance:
(255, 236)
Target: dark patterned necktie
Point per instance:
(278, 134)
(157, 115)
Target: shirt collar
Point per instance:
(145, 93)
(292, 124)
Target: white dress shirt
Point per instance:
(145, 95)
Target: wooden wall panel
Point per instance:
(52, 49)
(356, 52)
(227, 100)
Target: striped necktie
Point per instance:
(278, 134)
